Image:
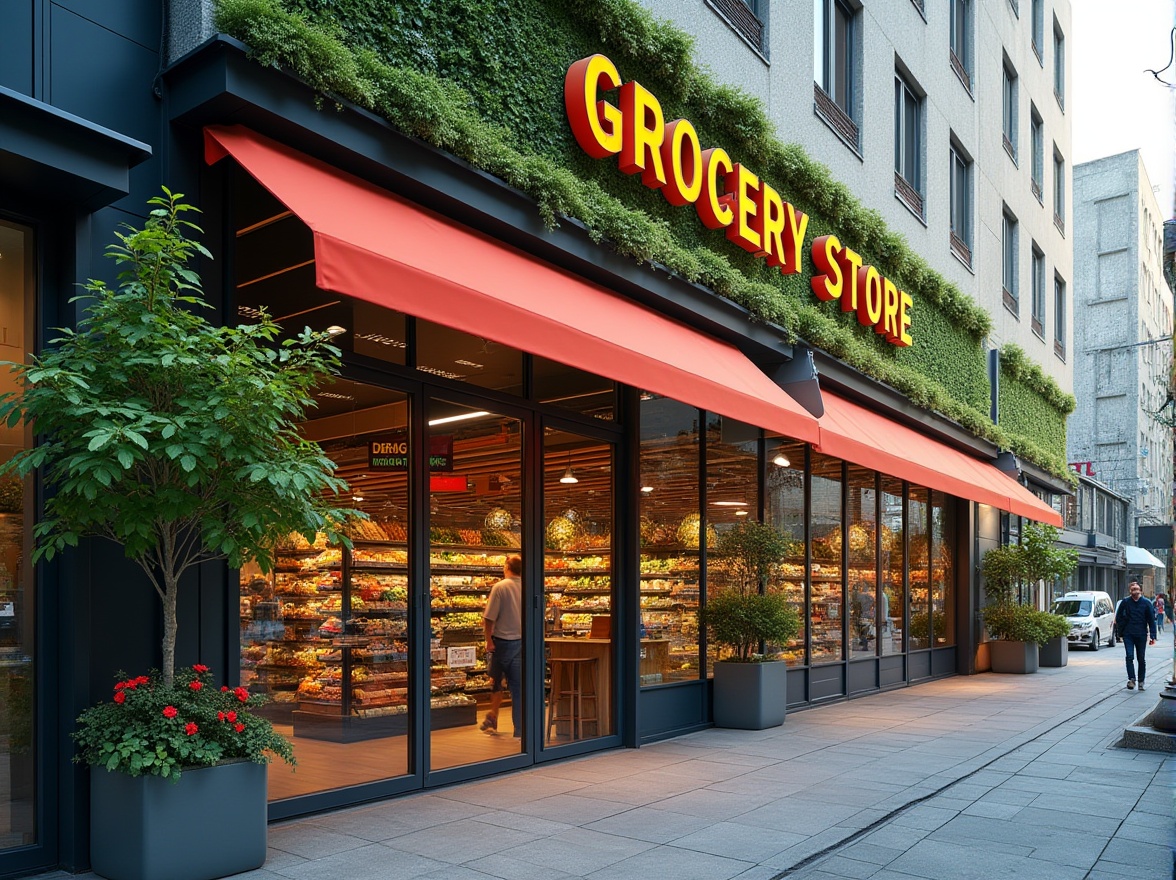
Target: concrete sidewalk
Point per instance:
(988, 776)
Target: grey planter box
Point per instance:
(750, 696)
(1018, 658)
(212, 823)
(1055, 652)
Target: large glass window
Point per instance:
(961, 203)
(325, 636)
(892, 598)
(1059, 317)
(919, 548)
(942, 572)
(1009, 261)
(18, 741)
(578, 584)
(732, 492)
(961, 39)
(1009, 109)
(672, 533)
(827, 582)
(861, 515)
(784, 509)
(1059, 41)
(1037, 146)
(908, 134)
(1059, 168)
(1038, 38)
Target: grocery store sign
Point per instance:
(725, 194)
(390, 452)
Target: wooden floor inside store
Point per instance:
(323, 766)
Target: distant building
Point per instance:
(1122, 338)
(1096, 525)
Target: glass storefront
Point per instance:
(17, 606)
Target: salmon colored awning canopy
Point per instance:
(866, 438)
(375, 246)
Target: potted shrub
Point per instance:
(1043, 560)
(176, 439)
(750, 692)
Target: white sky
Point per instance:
(1117, 106)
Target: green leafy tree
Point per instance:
(166, 434)
(1006, 568)
(1042, 558)
(750, 554)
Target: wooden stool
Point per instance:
(574, 681)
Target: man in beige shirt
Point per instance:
(503, 624)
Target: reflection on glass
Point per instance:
(462, 357)
(918, 508)
(942, 572)
(17, 740)
(578, 587)
(325, 636)
(862, 553)
(893, 594)
(732, 485)
(670, 537)
(827, 581)
(573, 389)
(475, 522)
(785, 510)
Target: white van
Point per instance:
(1091, 616)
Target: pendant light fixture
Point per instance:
(568, 476)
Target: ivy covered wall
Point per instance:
(483, 79)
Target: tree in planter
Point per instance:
(746, 613)
(168, 435)
(1006, 569)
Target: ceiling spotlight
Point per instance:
(647, 489)
(728, 504)
(335, 330)
(781, 460)
(741, 513)
(357, 498)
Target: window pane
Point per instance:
(942, 572)
(843, 57)
(573, 389)
(893, 594)
(862, 516)
(451, 354)
(821, 31)
(670, 539)
(18, 740)
(1060, 311)
(898, 128)
(911, 144)
(732, 486)
(785, 510)
(917, 510)
(826, 579)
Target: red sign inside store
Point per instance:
(725, 194)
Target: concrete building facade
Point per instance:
(1123, 344)
(949, 119)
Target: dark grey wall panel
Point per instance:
(862, 676)
(797, 687)
(137, 20)
(826, 681)
(106, 78)
(920, 665)
(892, 670)
(665, 710)
(943, 661)
(16, 45)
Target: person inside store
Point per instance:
(862, 606)
(1135, 621)
(502, 622)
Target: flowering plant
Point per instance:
(149, 728)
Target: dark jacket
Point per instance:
(1136, 617)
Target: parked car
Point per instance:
(1091, 616)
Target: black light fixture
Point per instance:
(799, 379)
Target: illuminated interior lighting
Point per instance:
(460, 417)
(781, 460)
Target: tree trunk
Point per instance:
(169, 630)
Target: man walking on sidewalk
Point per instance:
(1135, 621)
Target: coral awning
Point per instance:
(863, 437)
(375, 246)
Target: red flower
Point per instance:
(241, 693)
(231, 716)
(224, 688)
(142, 679)
(195, 685)
(239, 727)
(200, 667)
(120, 685)
(120, 697)
(170, 712)
(190, 728)
(220, 716)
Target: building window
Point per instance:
(1059, 192)
(961, 34)
(834, 67)
(1009, 260)
(961, 205)
(746, 18)
(1038, 318)
(1059, 65)
(1059, 317)
(1039, 30)
(1009, 111)
(1037, 138)
(908, 144)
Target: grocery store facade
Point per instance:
(507, 388)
